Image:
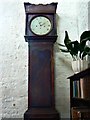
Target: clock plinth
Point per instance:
(41, 114)
(41, 98)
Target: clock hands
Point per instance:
(41, 24)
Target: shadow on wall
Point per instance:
(65, 59)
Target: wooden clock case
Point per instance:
(41, 98)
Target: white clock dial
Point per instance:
(40, 25)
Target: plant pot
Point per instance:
(79, 65)
(84, 64)
(76, 66)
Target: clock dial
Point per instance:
(40, 25)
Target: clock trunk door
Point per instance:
(40, 79)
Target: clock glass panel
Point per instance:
(40, 25)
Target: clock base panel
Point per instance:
(41, 114)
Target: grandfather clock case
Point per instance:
(41, 34)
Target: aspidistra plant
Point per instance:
(75, 48)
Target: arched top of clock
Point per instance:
(40, 8)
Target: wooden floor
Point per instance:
(12, 119)
(23, 119)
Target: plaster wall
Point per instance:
(89, 25)
(71, 16)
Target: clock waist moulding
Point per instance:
(41, 33)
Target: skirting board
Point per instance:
(23, 119)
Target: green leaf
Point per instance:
(64, 50)
(86, 51)
(67, 40)
(85, 35)
(61, 45)
(74, 47)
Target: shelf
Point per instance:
(81, 99)
(80, 102)
(81, 109)
(80, 95)
(79, 75)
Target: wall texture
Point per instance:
(89, 25)
(71, 16)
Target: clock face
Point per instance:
(40, 25)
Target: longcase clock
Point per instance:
(41, 33)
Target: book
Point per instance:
(76, 88)
(80, 113)
(85, 87)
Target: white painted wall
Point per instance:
(71, 16)
(89, 26)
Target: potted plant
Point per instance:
(78, 50)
